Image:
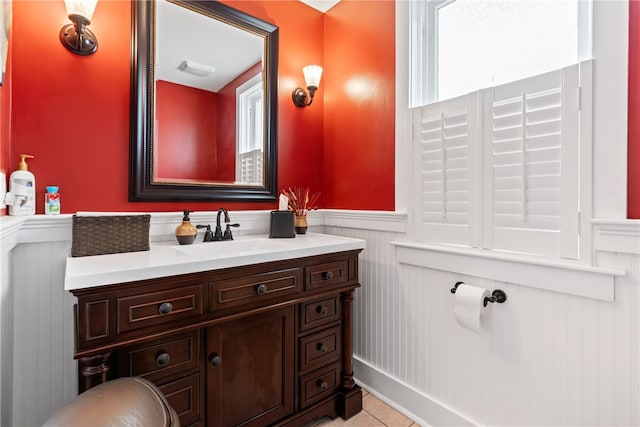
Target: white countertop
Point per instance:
(169, 259)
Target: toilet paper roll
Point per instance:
(469, 307)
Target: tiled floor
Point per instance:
(375, 413)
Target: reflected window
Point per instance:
(250, 132)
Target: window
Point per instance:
(498, 164)
(250, 134)
(500, 41)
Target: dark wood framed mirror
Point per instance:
(235, 157)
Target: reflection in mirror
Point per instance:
(204, 112)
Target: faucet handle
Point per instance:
(208, 234)
(227, 232)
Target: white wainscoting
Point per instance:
(542, 358)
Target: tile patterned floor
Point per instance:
(375, 413)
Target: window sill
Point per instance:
(558, 276)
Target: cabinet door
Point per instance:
(250, 370)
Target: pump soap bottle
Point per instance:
(186, 232)
(21, 197)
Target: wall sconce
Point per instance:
(312, 74)
(77, 37)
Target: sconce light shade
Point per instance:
(77, 37)
(81, 7)
(312, 75)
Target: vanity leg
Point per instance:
(347, 338)
(350, 402)
(92, 371)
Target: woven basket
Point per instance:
(100, 235)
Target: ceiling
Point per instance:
(321, 5)
(184, 35)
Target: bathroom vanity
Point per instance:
(250, 332)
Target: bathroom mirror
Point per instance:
(203, 103)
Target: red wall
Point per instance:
(186, 120)
(359, 107)
(72, 112)
(5, 120)
(227, 115)
(633, 184)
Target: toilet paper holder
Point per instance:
(498, 295)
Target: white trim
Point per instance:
(402, 145)
(366, 220)
(586, 158)
(610, 116)
(557, 276)
(9, 229)
(416, 405)
(617, 235)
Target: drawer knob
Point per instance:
(261, 289)
(163, 359)
(321, 347)
(322, 384)
(327, 275)
(215, 360)
(322, 310)
(165, 308)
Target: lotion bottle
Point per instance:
(21, 197)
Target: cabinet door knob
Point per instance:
(322, 384)
(215, 360)
(163, 359)
(321, 347)
(327, 275)
(261, 289)
(322, 310)
(165, 308)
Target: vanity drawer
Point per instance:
(161, 358)
(185, 397)
(319, 384)
(154, 308)
(319, 349)
(321, 276)
(255, 289)
(319, 312)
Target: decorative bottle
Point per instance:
(52, 201)
(186, 232)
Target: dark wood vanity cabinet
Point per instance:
(258, 345)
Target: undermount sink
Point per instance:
(228, 248)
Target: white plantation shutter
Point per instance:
(498, 168)
(531, 140)
(250, 167)
(442, 131)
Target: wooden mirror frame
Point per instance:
(142, 138)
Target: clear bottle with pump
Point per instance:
(52, 201)
(21, 197)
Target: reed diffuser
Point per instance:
(301, 201)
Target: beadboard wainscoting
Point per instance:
(542, 358)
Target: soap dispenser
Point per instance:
(21, 197)
(186, 232)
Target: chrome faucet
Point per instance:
(218, 235)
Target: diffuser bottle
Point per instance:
(22, 190)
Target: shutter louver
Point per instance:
(527, 130)
(443, 131)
